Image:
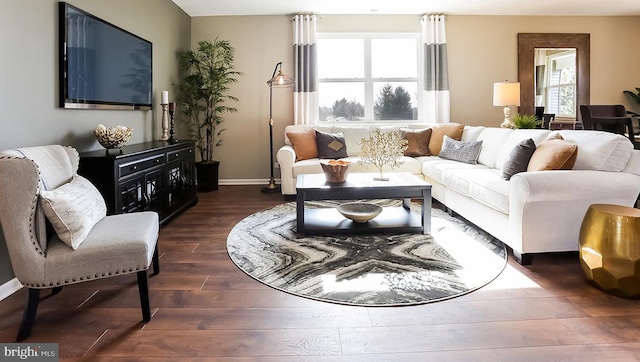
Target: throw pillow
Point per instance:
(466, 152)
(331, 145)
(518, 159)
(418, 141)
(453, 130)
(554, 153)
(73, 209)
(304, 143)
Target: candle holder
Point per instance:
(165, 122)
(172, 111)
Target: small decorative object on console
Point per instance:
(383, 148)
(113, 137)
(336, 171)
(360, 212)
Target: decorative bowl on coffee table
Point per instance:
(336, 171)
(360, 212)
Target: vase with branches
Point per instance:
(383, 149)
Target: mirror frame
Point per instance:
(528, 42)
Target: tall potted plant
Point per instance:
(201, 96)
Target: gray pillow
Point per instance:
(466, 152)
(518, 159)
(331, 145)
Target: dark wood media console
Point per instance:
(155, 175)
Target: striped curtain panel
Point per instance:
(305, 96)
(436, 108)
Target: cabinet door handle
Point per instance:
(157, 160)
(133, 168)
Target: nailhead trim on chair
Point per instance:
(34, 203)
(87, 278)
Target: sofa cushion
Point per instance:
(518, 159)
(471, 133)
(417, 141)
(307, 166)
(453, 130)
(554, 153)
(304, 143)
(352, 137)
(485, 185)
(517, 136)
(492, 141)
(331, 145)
(466, 152)
(600, 151)
(434, 167)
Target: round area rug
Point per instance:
(369, 270)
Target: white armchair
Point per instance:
(110, 246)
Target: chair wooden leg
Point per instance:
(143, 288)
(156, 262)
(56, 290)
(29, 314)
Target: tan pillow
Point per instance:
(453, 130)
(304, 143)
(418, 141)
(554, 153)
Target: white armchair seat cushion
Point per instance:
(117, 244)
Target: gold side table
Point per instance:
(610, 249)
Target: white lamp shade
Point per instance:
(506, 94)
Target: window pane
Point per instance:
(341, 101)
(394, 58)
(340, 58)
(395, 101)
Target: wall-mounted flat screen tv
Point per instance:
(101, 65)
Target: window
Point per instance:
(561, 84)
(366, 77)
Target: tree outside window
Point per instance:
(367, 77)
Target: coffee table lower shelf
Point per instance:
(329, 221)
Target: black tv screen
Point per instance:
(101, 65)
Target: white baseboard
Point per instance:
(9, 288)
(231, 181)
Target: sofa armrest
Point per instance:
(574, 185)
(546, 208)
(286, 157)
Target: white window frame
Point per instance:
(368, 80)
(549, 87)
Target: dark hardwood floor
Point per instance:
(205, 309)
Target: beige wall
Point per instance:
(29, 85)
(482, 50)
(29, 88)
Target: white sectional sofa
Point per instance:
(533, 212)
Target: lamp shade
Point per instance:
(280, 80)
(506, 94)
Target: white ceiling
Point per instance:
(451, 7)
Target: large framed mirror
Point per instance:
(528, 43)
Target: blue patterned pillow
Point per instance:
(466, 152)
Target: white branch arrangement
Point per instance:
(383, 148)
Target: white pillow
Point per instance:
(73, 209)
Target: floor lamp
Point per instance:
(279, 80)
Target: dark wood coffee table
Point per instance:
(361, 186)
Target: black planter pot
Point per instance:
(207, 175)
